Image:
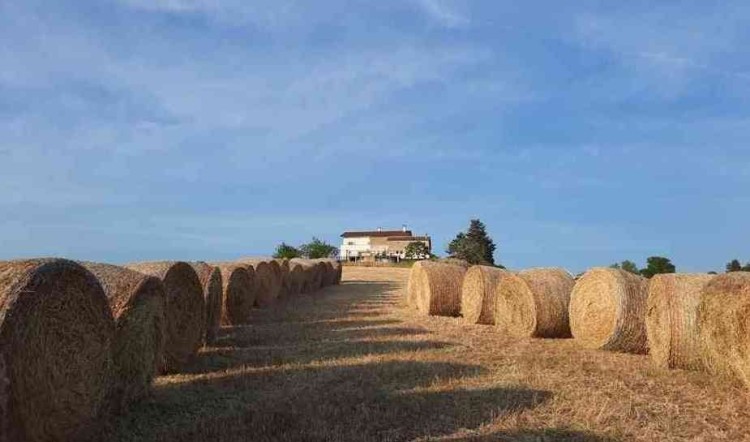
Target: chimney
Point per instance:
(403, 228)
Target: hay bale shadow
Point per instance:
(377, 401)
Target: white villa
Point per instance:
(379, 244)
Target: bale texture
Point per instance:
(137, 302)
(313, 275)
(436, 288)
(185, 313)
(56, 339)
(608, 311)
(238, 292)
(267, 285)
(328, 271)
(724, 326)
(297, 278)
(339, 271)
(671, 320)
(284, 266)
(478, 294)
(213, 288)
(534, 303)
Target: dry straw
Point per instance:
(478, 294)
(267, 284)
(137, 302)
(671, 320)
(238, 292)
(534, 303)
(211, 280)
(724, 326)
(186, 310)
(313, 279)
(284, 266)
(329, 272)
(435, 288)
(608, 311)
(56, 339)
(297, 278)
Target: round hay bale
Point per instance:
(297, 278)
(608, 311)
(56, 339)
(137, 302)
(478, 294)
(284, 266)
(671, 320)
(724, 326)
(534, 303)
(238, 292)
(436, 288)
(339, 268)
(313, 275)
(328, 272)
(267, 284)
(185, 313)
(212, 282)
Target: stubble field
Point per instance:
(353, 363)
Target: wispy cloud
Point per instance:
(443, 14)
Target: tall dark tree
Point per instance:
(734, 266)
(475, 246)
(656, 265)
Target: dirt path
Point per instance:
(351, 363)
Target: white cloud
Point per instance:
(443, 14)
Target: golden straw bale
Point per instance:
(671, 320)
(608, 311)
(724, 326)
(436, 288)
(56, 341)
(297, 278)
(238, 292)
(138, 303)
(210, 277)
(185, 312)
(478, 294)
(534, 303)
(267, 285)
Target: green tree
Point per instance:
(316, 249)
(475, 246)
(656, 265)
(628, 266)
(284, 250)
(734, 266)
(417, 250)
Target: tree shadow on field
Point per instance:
(211, 360)
(377, 401)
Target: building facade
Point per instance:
(383, 245)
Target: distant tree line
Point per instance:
(315, 249)
(655, 265)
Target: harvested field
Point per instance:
(353, 364)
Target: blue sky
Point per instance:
(581, 133)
